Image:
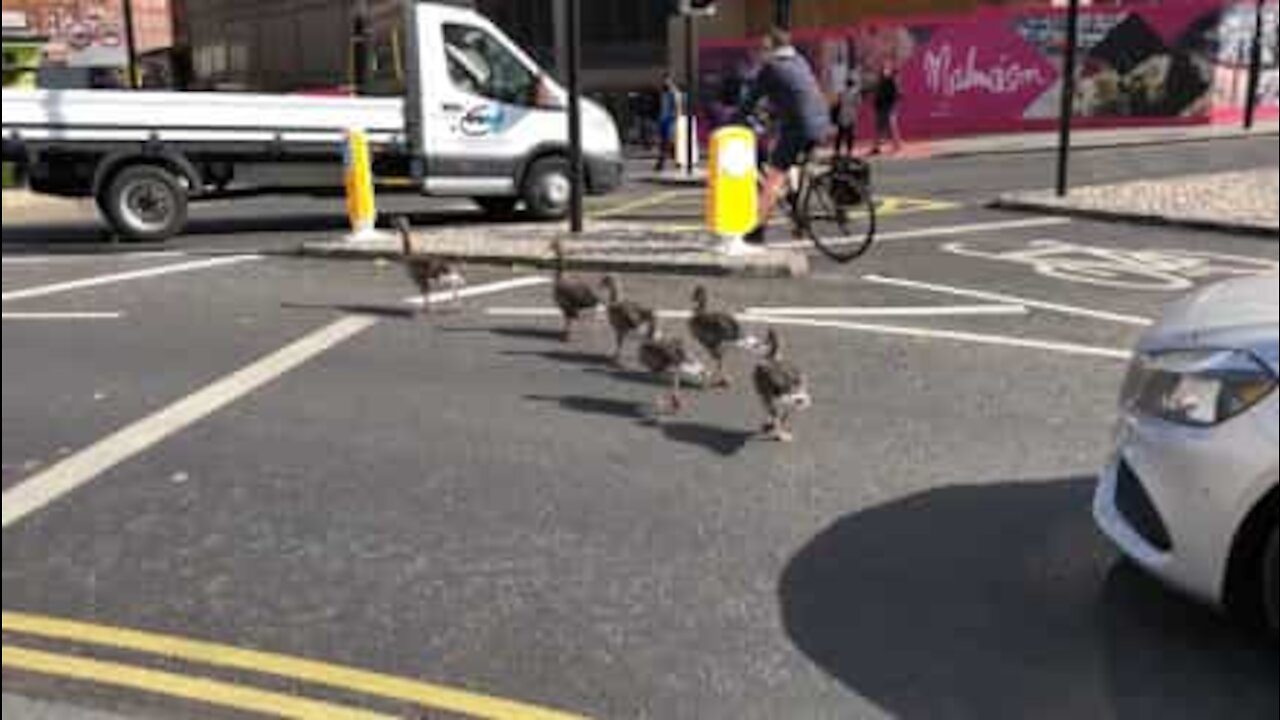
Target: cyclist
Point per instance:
(787, 82)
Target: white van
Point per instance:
(471, 116)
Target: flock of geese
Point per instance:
(782, 387)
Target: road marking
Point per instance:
(890, 207)
(480, 290)
(156, 682)
(964, 337)
(8, 260)
(644, 202)
(361, 682)
(934, 311)
(1004, 298)
(62, 316)
(949, 231)
(70, 474)
(193, 266)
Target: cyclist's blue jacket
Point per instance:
(787, 81)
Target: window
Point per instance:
(481, 65)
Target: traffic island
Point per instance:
(1246, 203)
(604, 247)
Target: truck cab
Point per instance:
(457, 109)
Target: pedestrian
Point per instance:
(847, 107)
(670, 108)
(887, 98)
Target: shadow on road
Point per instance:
(567, 357)
(390, 312)
(596, 406)
(725, 442)
(1002, 601)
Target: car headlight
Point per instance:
(1198, 388)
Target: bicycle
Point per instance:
(834, 206)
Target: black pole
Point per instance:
(1255, 70)
(691, 89)
(1068, 97)
(130, 46)
(573, 27)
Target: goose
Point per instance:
(427, 271)
(717, 332)
(668, 356)
(574, 297)
(626, 317)
(782, 388)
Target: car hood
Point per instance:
(1238, 314)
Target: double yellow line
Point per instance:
(232, 696)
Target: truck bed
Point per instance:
(104, 116)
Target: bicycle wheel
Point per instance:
(841, 222)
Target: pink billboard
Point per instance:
(999, 69)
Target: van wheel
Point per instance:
(498, 208)
(145, 203)
(548, 189)
(1271, 582)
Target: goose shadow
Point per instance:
(626, 409)
(725, 442)
(568, 357)
(389, 312)
(514, 333)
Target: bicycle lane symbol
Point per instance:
(1148, 270)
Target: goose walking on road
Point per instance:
(783, 389)
(428, 272)
(574, 297)
(626, 317)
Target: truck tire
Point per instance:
(497, 208)
(548, 188)
(145, 203)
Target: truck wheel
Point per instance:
(498, 208)
(547, 189)
(145, 203)
(1271, 582)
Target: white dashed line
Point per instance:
(115, 278)
(1012, 299)
(941, 232)
(63, 316)
(951, 335)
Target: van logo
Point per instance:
(483, 120)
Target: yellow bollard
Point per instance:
(732, 192)
(362, 208)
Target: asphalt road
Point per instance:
(469, 502)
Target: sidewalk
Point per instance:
(604, 247)
(1239, 202)
(19, 708)
(1022, 143)
(26, 206)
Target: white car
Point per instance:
(1191, 492)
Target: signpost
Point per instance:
(1068, 96)
(692, 10)
(1255, 69)
(573, 27)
